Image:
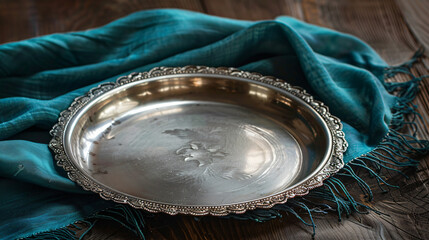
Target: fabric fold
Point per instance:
(40, 77)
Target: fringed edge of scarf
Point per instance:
(397, 150)
(130, 218)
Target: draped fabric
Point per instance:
(40, 77)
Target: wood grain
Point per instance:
(395, 29)
(253, 9)
(415, 15)
(30, 18)
(379, 23)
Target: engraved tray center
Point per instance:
(198, 140)
(197, 152)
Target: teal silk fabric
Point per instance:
(40, 77)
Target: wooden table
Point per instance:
(395, 29)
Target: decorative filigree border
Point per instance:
(333, 165)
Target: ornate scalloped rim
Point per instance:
(332, 166)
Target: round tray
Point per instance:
(198, 140)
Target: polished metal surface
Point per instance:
(198, 140)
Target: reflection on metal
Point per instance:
(198, 140)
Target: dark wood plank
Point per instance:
(416, 15)
(253, 9)
(379, 23)
(22, 19)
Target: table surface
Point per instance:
(394, 28)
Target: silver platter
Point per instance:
(198, 140)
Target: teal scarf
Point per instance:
(40, 77)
